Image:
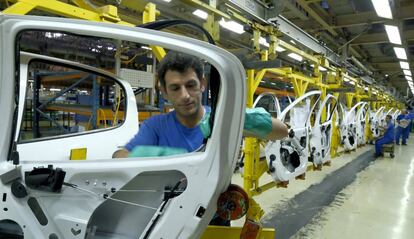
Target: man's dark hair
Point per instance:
(181, 62)
(389, 117)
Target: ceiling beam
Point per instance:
(373, 38)
(390, 66)
(370, 17)
(325, 23)
(297, 11)
(382, 59)
(317, 17)
(376, 38)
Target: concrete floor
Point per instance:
(373, 203)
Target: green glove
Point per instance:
(205, 125)
(257, 121)
(155, 151)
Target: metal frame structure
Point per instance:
(301, 83)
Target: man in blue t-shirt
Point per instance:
(402, 129)
(387, 138)
(182, 83)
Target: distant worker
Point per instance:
(402, 129)
(410, 124)
(387, 138)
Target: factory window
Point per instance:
(62, 100)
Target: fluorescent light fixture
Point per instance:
(280, 49)
(232, 26)
(393, 34)
(366, 88)
(407, 72)
(404, 65)
(167, 0)
(382, 7)
(146, 47)
(321, 68)
(346, 79)
(409, 78)
(54, 89)
(110, 48)
(400, 53)
(352, 82)
(293, 42)
(201, 14)
(295, 56)
(272, 83)
(263, 41)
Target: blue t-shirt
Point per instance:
(166, 130)
(406, 117)
(389, 133)
(401, 117)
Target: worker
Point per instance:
(387, 138)
(410, 123)
(183, 130)
(402, 129)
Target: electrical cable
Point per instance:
(108, 198)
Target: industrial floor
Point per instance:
(356, 197)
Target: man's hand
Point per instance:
(121, 153)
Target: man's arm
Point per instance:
(145, 136)
(279, 131)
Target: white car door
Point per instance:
(320, 140)
(288, 158)
(104, 197)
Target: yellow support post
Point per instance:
(149, 15)
(336, 137)
(299, 85)
(253, 167)
(250, 149)
(256, 37)
(250, 88)
(349, 97)
(212, 26)
(218, 232)
(323, 96)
